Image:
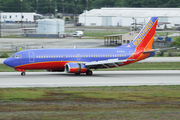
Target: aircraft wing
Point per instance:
(155, 50)
(105, 63)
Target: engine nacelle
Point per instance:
(75, 68)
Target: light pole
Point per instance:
(62, 7)
(50, 7)
(134, 20)
(0, 23)
(55, 10)
(37, 7)
(87, 5)
(37, 15)
(76, 11)
(21, 13)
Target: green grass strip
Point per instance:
(100, 94)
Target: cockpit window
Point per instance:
(17, 56)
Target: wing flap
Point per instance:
(105, 63)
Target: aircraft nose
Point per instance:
(8, 62)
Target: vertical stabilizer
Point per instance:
(144, 39)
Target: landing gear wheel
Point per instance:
(23, 73)
(89, 72)
(77, 73)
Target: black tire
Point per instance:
(23, 73)
(77, 73)
(89, 72)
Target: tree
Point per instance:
(176, 43)
(77, 6)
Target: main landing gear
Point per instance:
(89, 72)
(23, 73)
(77, 73)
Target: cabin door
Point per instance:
(31, 56)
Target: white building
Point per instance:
(16, 16)
(127, 16)
(50, 26)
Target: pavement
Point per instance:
(99, 78)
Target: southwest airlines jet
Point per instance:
(83, 60)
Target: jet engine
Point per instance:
(75, 68)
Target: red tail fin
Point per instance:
(146, 36)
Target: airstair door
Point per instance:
(31, 56)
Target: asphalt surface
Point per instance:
(99, 78)
(13, 44)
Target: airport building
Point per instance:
(126, 16)
(18, 17)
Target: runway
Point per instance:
(99, 78)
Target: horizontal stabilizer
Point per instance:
(155, 50)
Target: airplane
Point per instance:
(82, 60)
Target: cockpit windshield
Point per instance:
(16, 56)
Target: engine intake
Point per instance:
(75, 68)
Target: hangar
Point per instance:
(126, 16)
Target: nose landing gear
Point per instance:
(23, 73)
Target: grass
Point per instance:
(126, 102)
(101, 34)
(12, 36)
(163, 33)
(25, 94)
(4, 68)
(148, 66)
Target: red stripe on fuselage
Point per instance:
(45, 65)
